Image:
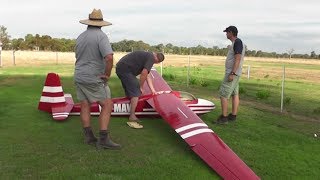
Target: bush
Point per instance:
(263, 94)
(242, 90)
(203, 83)
(193, 81)
(168, 77)
(316, 110)
(287, 101)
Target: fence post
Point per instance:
(248, 71)
(0, 54)
(14, 57)
(282, 89)
(56, 57)
(161, 65)
(188, 76)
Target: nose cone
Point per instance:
(206, 104)
(203, 106)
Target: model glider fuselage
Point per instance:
(121, 106)
(53, 100)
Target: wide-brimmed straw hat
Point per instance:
(95, 19)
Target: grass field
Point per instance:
(275, 145)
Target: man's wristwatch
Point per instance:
(233, 73)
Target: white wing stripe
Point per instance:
(60, 116)
(183, 113)
(183, 128)
(195, 132)
(64, 113)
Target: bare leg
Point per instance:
(133, 103)
(224, 106)
(85, 113)
(104, 117)
(235, 104)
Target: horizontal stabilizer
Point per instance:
(62, 111)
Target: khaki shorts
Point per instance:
(93, 92)
(229, 88)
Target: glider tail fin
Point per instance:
(52, 93)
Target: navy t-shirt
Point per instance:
(136, 61)
(238, 46)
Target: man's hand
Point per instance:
(154, 92)
(104, 77)
(141, 89)
(230, 77)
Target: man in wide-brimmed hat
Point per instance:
(94, 62)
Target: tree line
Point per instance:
(47, 43)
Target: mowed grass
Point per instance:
(33, 146)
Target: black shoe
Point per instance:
(232, 117)
(91, 140)
(106, 143)
(89, 137)
(221, 120)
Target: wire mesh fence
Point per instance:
(261, 80)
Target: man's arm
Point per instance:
(109, 65)
(237, 59)
(146, 76)
(150, 83)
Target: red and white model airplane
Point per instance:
(178, 109)
(53, 100)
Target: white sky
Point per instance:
(272, 26)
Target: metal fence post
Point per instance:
(248, 71)
(56, 57)
(0, 54)
(14, 57)
(282, 89)
(188, 76)
(161, 65)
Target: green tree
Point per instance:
(17, 44)
(4, 37)
(313, 55)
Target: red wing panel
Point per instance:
(158, 82)
(202, 140)
(61, 111)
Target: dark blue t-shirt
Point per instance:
(136, 61)
(238, 46)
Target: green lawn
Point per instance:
(33, 146)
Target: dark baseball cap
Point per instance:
(232, 29)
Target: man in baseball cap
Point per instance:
(233, 69)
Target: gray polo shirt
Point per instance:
(237, 47)
(91, 47)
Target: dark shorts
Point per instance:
(130, 83)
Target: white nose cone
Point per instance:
(203, 102)
(315, 135)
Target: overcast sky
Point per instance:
(272, 26)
